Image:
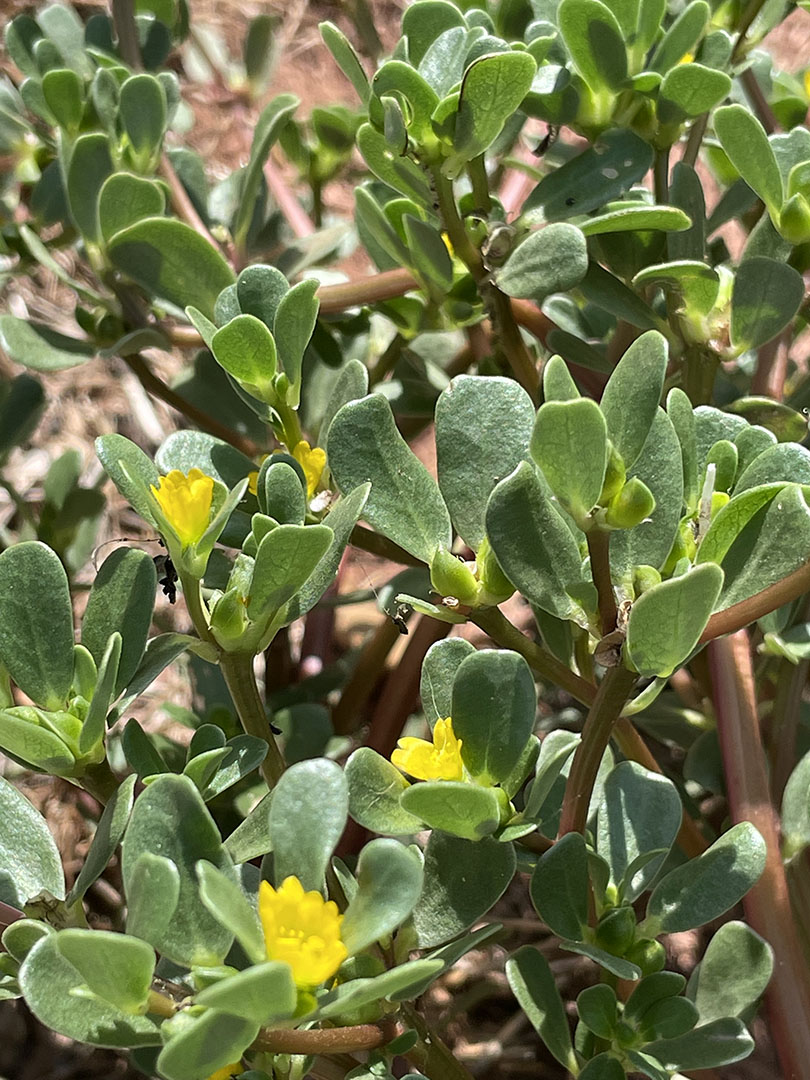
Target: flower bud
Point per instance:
(229, 618)
(649, 955)
(616, 930)
(644, 578)
(453, 577)
(495, 586)
(615, 475)
(631, 506)
(794, 220)
(683, 546)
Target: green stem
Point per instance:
(195, 605)
(548, 667)
(237, 670)
(599, 550)
(290, 426)
(611, 697)
(767, 904)
(661, 176)
(744, 26)
(699, 371)
(477, 172)
(696, 134)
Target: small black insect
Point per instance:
(547, 141)
(398, 617)
(168, 582)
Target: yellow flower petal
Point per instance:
(228, 1071)
(301, 929)
(253, 482)
(437, 760)
(186, 503)
(313, 461)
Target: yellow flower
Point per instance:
(687, 58)
(313, 461)
(302, 930)
(439, 760)
(227, 1072)
(186, 503)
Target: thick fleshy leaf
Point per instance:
(122, 599)
(439, 668)
(494, 705)
(228, 904)
(186, 450)
(404, 503)
(550, 260)
(107, 837)
(22, 401)
(744, 140)
(171, 260)
(569, 443)
(630, 399)
(39, 347)
(734, 971)
(476, 447)
(375, 786)
(90, 165)
(559, 887)
(640, 813)
(463, 879)
(264, 993)
(28, 854)
(54, 992)
(125, 199)
(389, 883)
(689, 90)
(398, 78)
(307, 817)
(534, 986)
(456, 807)
(142, 112)
(345, 56)
(252, 837)
(130, 470)
(534, 545)
(285, 559)
(423, 25)
(594, 41)
(721, 1042)
(36, 623)
(796, 810)
(765, 298)
(208, 1043)
(170, 817)
(246, 350)
(492, 89)
(706, 886)
(627, 219)
(603, 172)
(666, 621)
(115, 967)
(681, 37)
(400, 173)
(268, 127)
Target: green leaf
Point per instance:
(692, 281)
(559, 887)
(375, 786)
(476, 448)
(721, 1042)
(63, 26)
(153, 889)
(125, 199)
(252, 837)
(666, 621)
(271, 121)
(744, 140)
(758, 538)
(36, 623)
(285, 559)
(63, 91)
(533, 544)
(429, 256)
(463, 879)
(569, 443)
(603, 1067)
(25, 734)
(186, 450)
(422, 25)
(555, 750)
(294, 323)
(115, 967)
(640, 813)
(28, 854)
(90, 165)
(244, 753)
(796, 810)
(456, 807)
(259, 52)
(594, 41)
(22, 401)
(681, 37)
(442, 661)
(107, 837)
(550, 260)
(708, 885)
(263, 994)
(733, 974)
(400, 173)
(613, 296)
(402, 81)
(21, 936)
(404, 503)
(533, 984)
(171, 260)
(558, 384)
(598, 1010)
(245, 348)
(686, 192)
(630, 399)
(205, 1045)
(764, 300)
(229, 905)
(389, 883)
(160, 652)
(95, 725)
(616, 965)
(785, 462)
(40, 348)
(618, 159)
(690, 90)
(784, 423)
(122, 599)
(54, 992)
(494, 705)
(142, 112)
(307, 817)
(492, 89)
(630, 218)
(170, 817)
(400, 983)
(346, 58)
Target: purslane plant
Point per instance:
(618, 440)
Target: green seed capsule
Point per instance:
(631, 506)
(616, 930)
(495, 586)
(648, 954)
(615, 475)
(450, 576)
